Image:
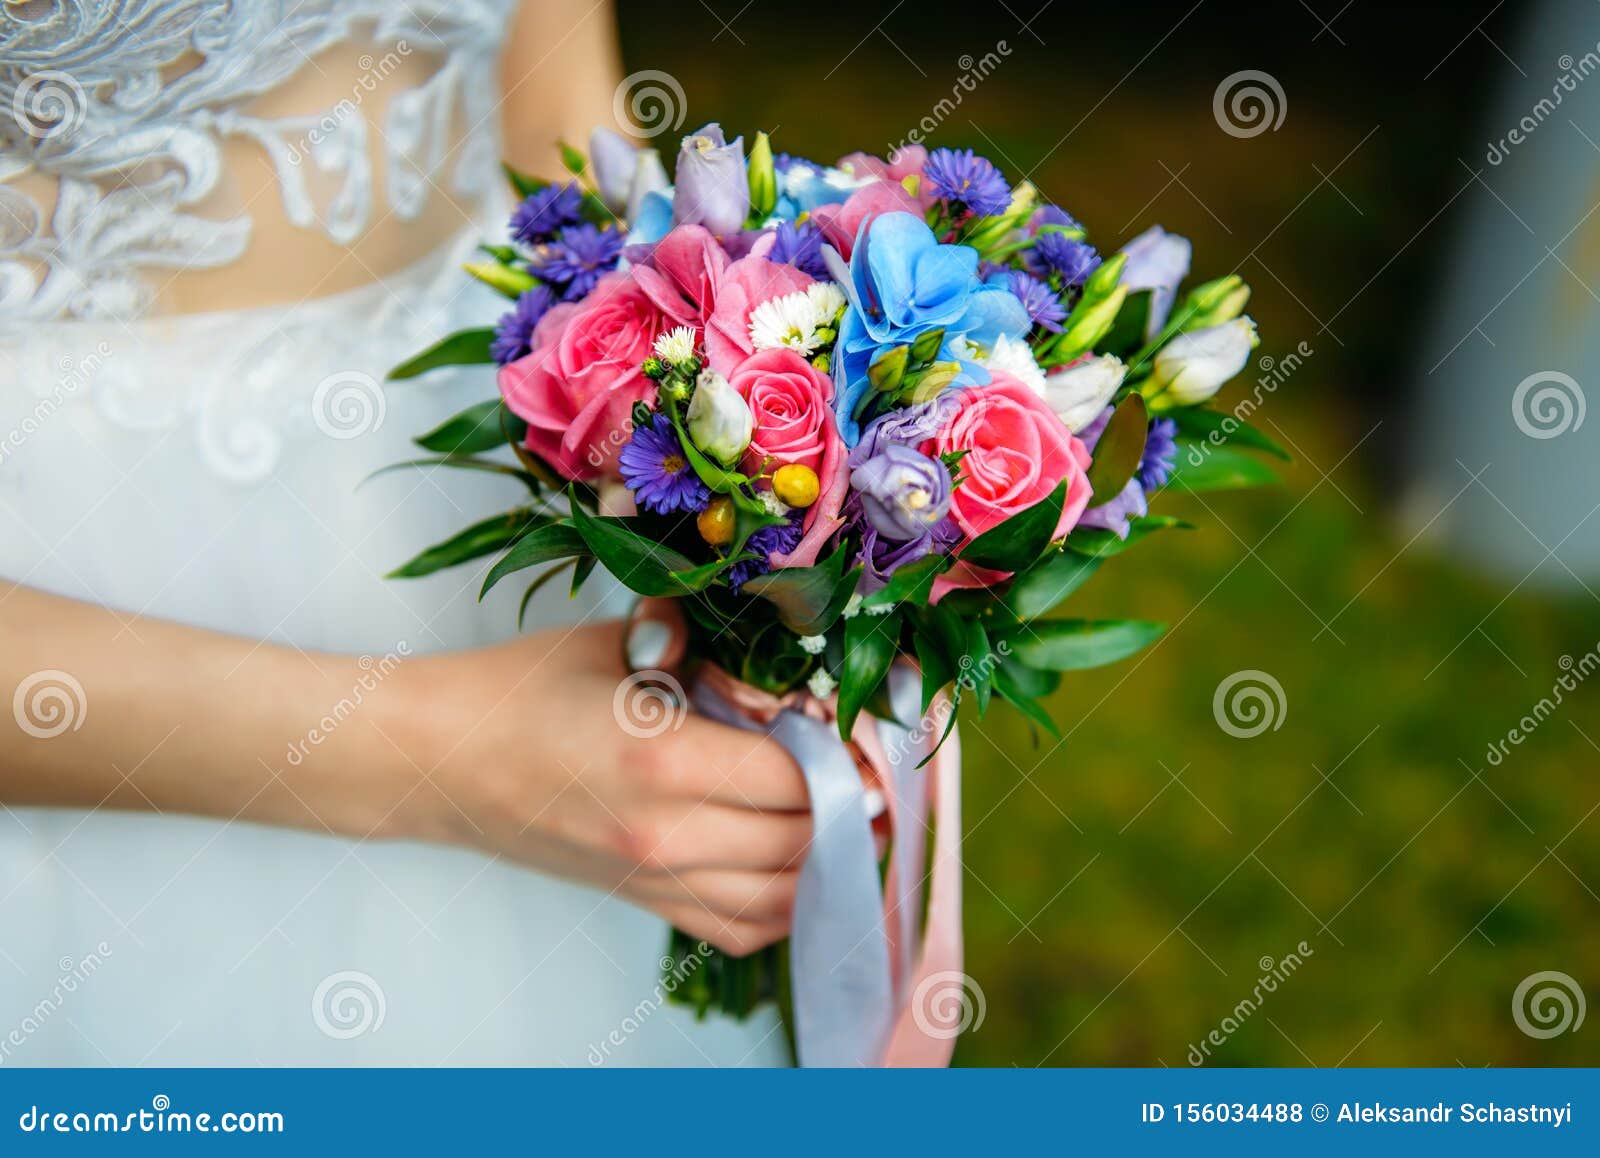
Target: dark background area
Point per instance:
(1127, 888)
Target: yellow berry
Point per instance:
(796, 485)
(716, 522)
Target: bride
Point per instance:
(262, 805)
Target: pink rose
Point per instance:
(792, 402)
(841, 224)
(682, 274)
(906, 161)
(1017, 452)
(744, 285)
(576, 390)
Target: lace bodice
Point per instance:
(125, 104)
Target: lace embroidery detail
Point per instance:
(100, 95)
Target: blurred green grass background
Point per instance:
(1127, 887)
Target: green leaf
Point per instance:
(871, 643)
(1017, 686)
(977, 666)
(1127, 331)
(1202, 467)
(483, 538)
(809, 599)
(476, 429)
(1097, 543)
(1075, 644)
(580, 573)
(640, 564)
(523, 183)
(1017, 542)
(1045, 584)
(462, 348)
(541, 545)
(937, 671)
(571, 159)
(1117, 454)
(910, 584)
(545, 577)
(462, 462)
(1206, 425)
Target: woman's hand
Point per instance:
(543, 751)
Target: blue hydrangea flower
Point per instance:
(799, 246)
(577, 258)
(775, 538)
(960, 175)
(655, 469)
(1036, 297)
(541, 214)
(1160, 454)
(513, 336)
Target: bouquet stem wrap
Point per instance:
(869, 972)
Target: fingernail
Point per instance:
(648, 640)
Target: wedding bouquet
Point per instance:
(869, 424)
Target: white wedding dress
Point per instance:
(205, 468)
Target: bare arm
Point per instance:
(559, 71)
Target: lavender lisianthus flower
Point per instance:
(764, 542)
(961, 176)
(881, 557)
(799, 246)
(655, 469)
(1160, 454)
(1115, 516)
(513, 335)
(713, 188)
(1036, 297)
(577, 258)
(909, 425)
(903, 492)
(1157, 261)
(542, 214)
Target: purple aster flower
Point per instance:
(799, 246)
(1050, 215)
(577, 258)
(1160, 454)
(1114, 516)
(774, 538)
(962, 176)
(658, 473)
(541, 214)
(1056, 253)
(1037, 298)
(513, 336)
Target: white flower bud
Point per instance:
(1193, 366)
(719, 419)
(1080, 391)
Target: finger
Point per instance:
(731, 894)
(737, 937)
(714, 836)
(747, 769)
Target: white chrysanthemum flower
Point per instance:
(1014, 356)
(676, 345)
(789, 322)
(822, 684)
(852, 606)
(813, 644)
(828, 300)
